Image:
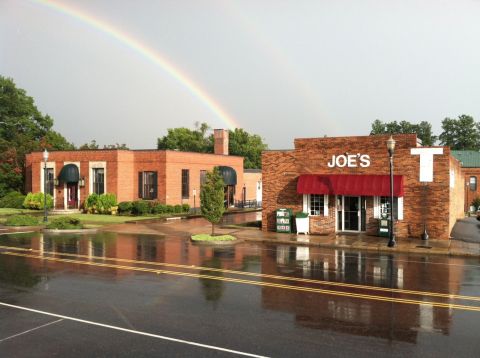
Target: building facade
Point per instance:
(343, 184)
(470, 162)
(170, 177)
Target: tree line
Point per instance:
(461, 133)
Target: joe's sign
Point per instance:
(349, 160)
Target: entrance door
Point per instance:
(72, 195)
(349, 213)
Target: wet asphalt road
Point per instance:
(268, 300)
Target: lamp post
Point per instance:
(45, 158)
(391, 149)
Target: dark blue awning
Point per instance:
(229, 175)
(69, 174)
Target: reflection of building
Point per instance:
(171, 177)
(359, 316)
(343, 183)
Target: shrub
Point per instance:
(177, 209)
(125, 207)
(185, 208)
(22, 220)
(170, 209)
(13, 200)
(101, 204)
(140, 207)
(65, 223)
(476, 202)
(158, 208)
(35, 201)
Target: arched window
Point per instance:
(473, 183)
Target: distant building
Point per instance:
(171, 177)
(470, 161)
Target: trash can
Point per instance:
(302, 222)
(284, 220)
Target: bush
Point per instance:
(125, 207)
(140, 207)
(101, 204)
(185, 208)
(170, 209)
(13, 200)
(177, 209)
(159, 208)
(476, 202)
(65, 223)
(35, 201)
(301, 215)
(22, 220)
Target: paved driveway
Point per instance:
(467, 229)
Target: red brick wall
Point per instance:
(251, 181)
(469, 194)
(422, 203)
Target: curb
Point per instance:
(75, 231)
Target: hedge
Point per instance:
(35, 201)
(101, 204)
(13, 200)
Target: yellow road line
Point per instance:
(253, 274)
(254, 283)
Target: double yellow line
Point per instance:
(243, 281)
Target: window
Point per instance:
(185, 183)
(98, 179)
(147, 185)
(316, 206)
(385, 205)
(49, 181)
(203, 177)
(473, 183)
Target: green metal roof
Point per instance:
(469, 158)
(69, 174)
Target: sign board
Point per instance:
(349, 160)
(426, 162)
(284, 220)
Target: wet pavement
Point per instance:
(121, 294)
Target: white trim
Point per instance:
(50, 165)
(376, 207)
(97, 165)
(305, 203)
(400, 208)
(325, 205)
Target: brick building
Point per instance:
(171, 177)
(470, 161)
(343, 184)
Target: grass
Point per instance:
(98, 219)
(9, 211)
(207, 237)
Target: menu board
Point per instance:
(284, 220)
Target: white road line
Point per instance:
(31, 330)
(132, 331)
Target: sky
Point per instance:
(124, 71)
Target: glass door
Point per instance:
(351, 213)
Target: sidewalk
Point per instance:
(363, 242)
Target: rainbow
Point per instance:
(147, 53)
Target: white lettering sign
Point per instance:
(426, 161)
(350, 160)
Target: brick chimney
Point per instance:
(221, 141)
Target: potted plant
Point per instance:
(302, 222)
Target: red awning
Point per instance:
(349, 184)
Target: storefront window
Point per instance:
(316, 204)
(385, 205)
(473, 183)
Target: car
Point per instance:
(478, 214)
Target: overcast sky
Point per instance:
(281, 69)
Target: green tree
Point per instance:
(187, 140)
(460, 134)
(212, 198)
(249, 146)
(422, 129)
(87, 146)
(23, 129)
(122, 146)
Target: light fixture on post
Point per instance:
(45, 158)
(391, 150)
(81, 182)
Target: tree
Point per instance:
(461, 134)
(88, 146)
(122, 146)
(188, 140)
(23, 129)
(249, 146)
(423, 130)
(212, 197)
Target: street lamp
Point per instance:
(45, 158)
(391, 149)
